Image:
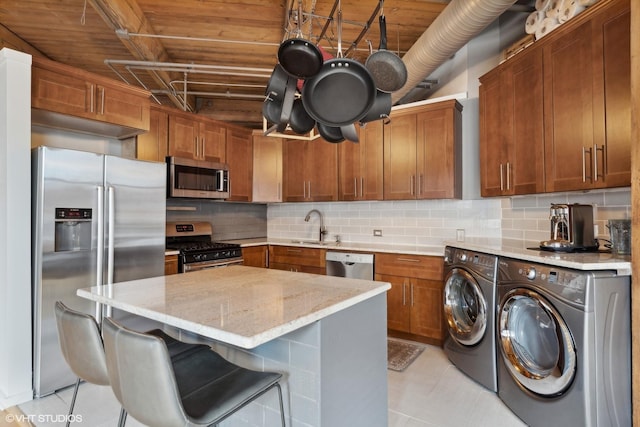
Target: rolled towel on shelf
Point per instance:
(533, 21)
(554, 9)
(570, 8)
(546, 26)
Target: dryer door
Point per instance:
(536, 345)
(465, 308)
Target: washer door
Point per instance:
(465, 308)
(536, 344)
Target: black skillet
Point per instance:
(387, 69)
(342, 92)
(299, 57)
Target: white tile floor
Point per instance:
(430, 392)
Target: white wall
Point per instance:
(15, 228)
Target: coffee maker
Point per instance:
(571, 228)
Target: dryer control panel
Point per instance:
(480, 263)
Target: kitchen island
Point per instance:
(326, 334)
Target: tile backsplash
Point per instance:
(419, 222)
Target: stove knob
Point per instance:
(531, 273)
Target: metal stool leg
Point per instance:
(281, 404)
(73, 401)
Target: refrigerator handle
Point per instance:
(100, 249)
(110, 246)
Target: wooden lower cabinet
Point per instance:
(300, 259)
(256, 256)
(170, 264)
(414, 302)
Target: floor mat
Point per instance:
(400, 354)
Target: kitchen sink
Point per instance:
(311, 242)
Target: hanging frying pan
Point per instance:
(342, 92)
(300, 121)
(380, 109)
(277, 84)
(299, 57)
(279, 111)
(330, 133)
(387, 69)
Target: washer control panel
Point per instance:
(480, 263)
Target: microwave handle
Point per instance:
(221, 178)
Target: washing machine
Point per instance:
(469, 309)
(564, 339)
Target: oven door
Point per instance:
(205, 265)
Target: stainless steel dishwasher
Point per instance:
(346, 264)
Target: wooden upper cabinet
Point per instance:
(310, 170)
(240, 159)
(152, 145)
(60, 89)
(360, 175)
(196, 137)
(511, 127)
(267, 168)
(422, 153)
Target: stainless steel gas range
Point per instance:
(196, 249)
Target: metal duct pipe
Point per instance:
(458, 23)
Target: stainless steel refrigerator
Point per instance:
(96, 219)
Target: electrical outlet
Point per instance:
(460, 235)
(377, 233)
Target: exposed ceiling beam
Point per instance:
(126, 16)
(12, 41)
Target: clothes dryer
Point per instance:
(469, 309)
(564, 341)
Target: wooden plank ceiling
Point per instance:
(232, 44)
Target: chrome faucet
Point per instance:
(323, 230)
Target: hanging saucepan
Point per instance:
(330, 133)
(386, 68)
(342, 92)
(300, 121)
(380, 109)
(299, 57)
(277, 84)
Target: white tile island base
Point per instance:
(327, 335)
(335, 371)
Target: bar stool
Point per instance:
(82, 348)
(197, 388)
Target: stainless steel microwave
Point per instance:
(197, 179)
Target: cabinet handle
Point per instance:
(362, 187)
(102, 101)
(196, 146)
(404, 292)
(508, 176)
(595, 162)
(419, 192)
(304, 189)
(91, 99)
(294, 250)
(202, 145)
(411, 299)
(501, 178)
(412, 181)
(355, 187)
(279, 194)
(309, 189)
(408, 259)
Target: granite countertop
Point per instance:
(238, 305)
(503, 247)
(576, 260)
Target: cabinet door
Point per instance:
(294, 183)
(523, 123)
(493, 149)
(398, 309)
(183, 137)
(400, 158)
(568, 110)
(255, 256)
(267, 169)
(612, 116)
(426, 301)
(115, 105)
(360, 175)
(437, 150)
(321, 170)
(213, 142)
(240, 159)
(63, 94)
(153, 144)
(170, 264)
